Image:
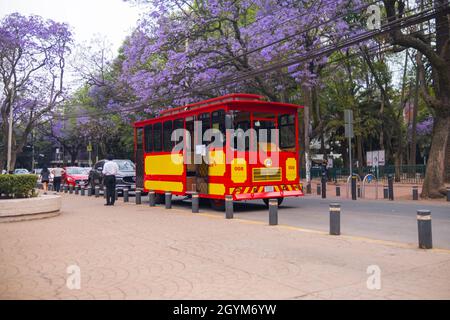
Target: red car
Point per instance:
(74, 176)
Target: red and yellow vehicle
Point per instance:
(239, 158)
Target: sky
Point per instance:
(114, 19)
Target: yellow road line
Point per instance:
(323, 233)
(294, 228)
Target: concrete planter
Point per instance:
(44, 206)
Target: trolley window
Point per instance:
(167, 135)
(205, 118)
(218, 122)
(286, 124)
(241, 125)
(157, 135)
(139, 138)
(148, 138)
(177, 124)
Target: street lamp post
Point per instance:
(10, 130)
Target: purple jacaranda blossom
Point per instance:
(182, 52)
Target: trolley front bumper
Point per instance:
(266, 195)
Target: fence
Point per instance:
(407, 174)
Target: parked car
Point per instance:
(86, 170)
(125, 178)
(21, 171)
(75, 176)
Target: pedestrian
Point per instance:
(109, 171)
(57, 177)
(45, 178)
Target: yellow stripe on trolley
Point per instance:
(164, 185)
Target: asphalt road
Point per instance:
(384, 220)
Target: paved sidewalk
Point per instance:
(137, 252)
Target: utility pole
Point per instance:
(32, 150)
(348, 119)
(11, 96)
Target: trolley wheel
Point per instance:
(280, 201)
(217, 204)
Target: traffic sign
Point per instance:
(375, 158)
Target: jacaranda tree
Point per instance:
(33, 52)
(187, 50)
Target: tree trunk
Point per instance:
(433, 185)
(448, 160)
(13, 159)
(301, 140)
(306, 120)
(412, 155)
(382, 125)
(73, 157)
(397, 163)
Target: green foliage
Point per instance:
(18, 185)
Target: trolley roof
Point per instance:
(232, 100)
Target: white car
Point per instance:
(21, 171)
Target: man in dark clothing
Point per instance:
(109, 171)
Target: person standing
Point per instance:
(57, 177)
(109, 171)
(45, 178)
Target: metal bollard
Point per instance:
(195, 202)
(65, 188)
(104, 192)
(89, 190)
(168, 200)
(391, 187)
(138, 196)
(151, 198)
(335, 219)
(97, 191)
(273, 212)
(424, 226)
(448, 194)
(71, 189)
(324, 188)
(318, 190)
(125, 195)
(308, 188)
(338, 191)
(415, 192)
(385, 192)
(116, 194)
(82, 191)
(77, 190)
(229, 207)
(353, 187)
